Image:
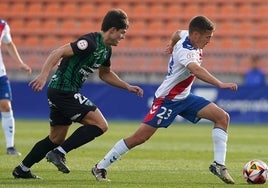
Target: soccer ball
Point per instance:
(255, 172)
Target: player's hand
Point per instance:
(26, 68)
(38, 83)
(231, 86)
(169, 48)
(136, 89)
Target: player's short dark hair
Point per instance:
(115, 18)
(201, 24)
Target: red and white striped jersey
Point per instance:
(179, 79)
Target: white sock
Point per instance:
(61, 150)
(8, 125)
(113, 155)
(220, 138)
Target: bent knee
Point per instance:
(103, 126)
(224, 121)
(227, 117)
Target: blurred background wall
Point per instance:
(39, 26)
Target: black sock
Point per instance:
(38, 152)
(81, 136)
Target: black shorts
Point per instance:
(67, 107)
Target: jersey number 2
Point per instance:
(82, 99)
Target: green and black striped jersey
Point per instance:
(89, 54)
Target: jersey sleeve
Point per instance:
(184, 52)
(191, 57)
(184, 34)
(6, 34)
(185, 56)
(84, 45)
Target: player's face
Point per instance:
(203, 39)
(116, 36)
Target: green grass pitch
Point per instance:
(175, 157)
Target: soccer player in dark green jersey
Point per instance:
(77, 60)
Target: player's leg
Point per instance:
(8, 125)
(219, 135)
(161, 114)
(94, 125)
(215, 114)
(73, 107)
(8, 122)
(143, 133)
(39, 151)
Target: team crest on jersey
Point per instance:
(159, 121)
(190, 55)
(82, 44)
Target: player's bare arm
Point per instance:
(108, 76)
(12, 50)
(175, 37)
(202, 74)
(39, 82)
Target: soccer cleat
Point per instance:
(12, 151)
(222, 172)
(19, 173)
(58, 159)
(100, 174)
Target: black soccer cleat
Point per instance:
(58, 159)
(19, 173)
